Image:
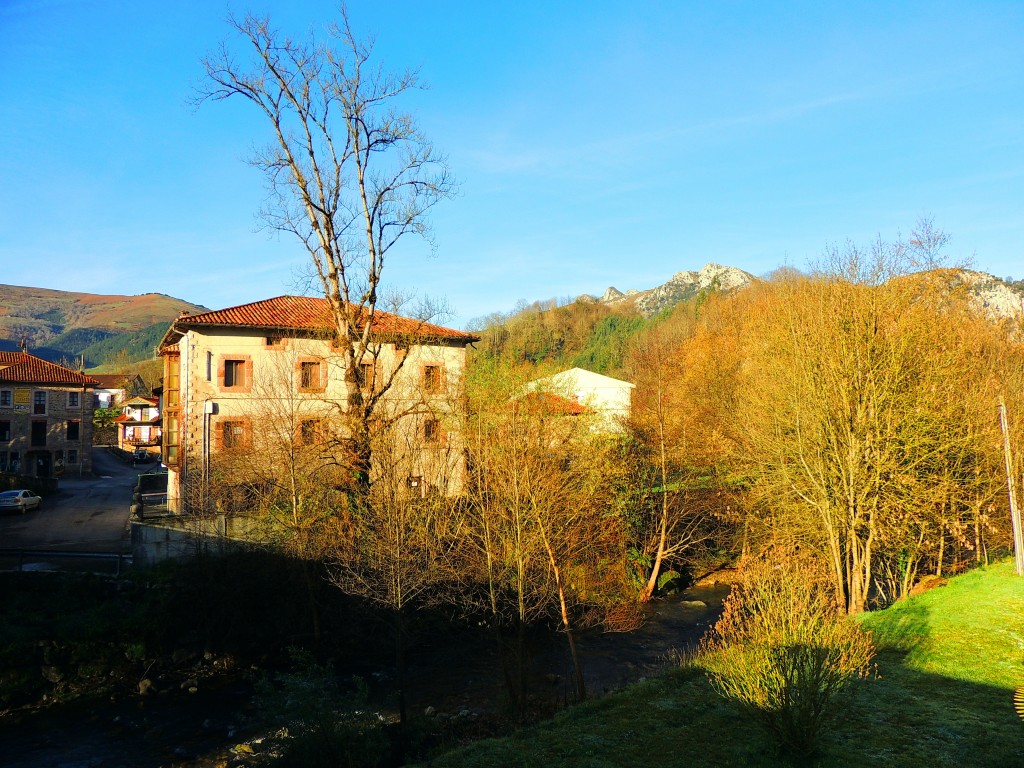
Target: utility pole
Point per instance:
(1018, 533)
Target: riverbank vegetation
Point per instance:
(939, 696)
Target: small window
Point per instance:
(431, 431)
(74, 399)
(15, 462)
(6, 398)
(232, 435)
(365, 376)
(74, 430)
(432, 379)
(39, 403)
(309, 375)
(38, 439)
(311, 431)
(275, 342)
(209, 366)
(5, 430)
(72, 457)
(234, 373)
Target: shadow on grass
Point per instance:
(909, 717)
(902, 717)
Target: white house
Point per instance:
(609, 398)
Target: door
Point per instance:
(43, 464)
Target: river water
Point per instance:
(194, 730)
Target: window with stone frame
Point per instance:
(74, 399)
(233, 434)
(310, 375)
(72, 456)
(5, 430)
(432, 378)
(6, 398)
(74, 429)
(234, 373)
(38, 434)
(312, 431)
(39, 399)
(433, 433)
(366, 377)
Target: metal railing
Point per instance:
(121, 560)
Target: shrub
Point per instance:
(319, 723)
(783, 650)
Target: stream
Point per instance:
(194, 730)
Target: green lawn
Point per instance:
(947, 664)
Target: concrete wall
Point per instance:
(154, 541)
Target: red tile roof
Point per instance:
(140, 401)
(23, 368)
(124, 418)
(545, 403)
(313, 314)
(111, 380)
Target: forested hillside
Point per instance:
(62, 325)
(584, 334)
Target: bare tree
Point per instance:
(404, 531)
(348, 174)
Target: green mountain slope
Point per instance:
(63, 325)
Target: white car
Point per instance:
(22, 501)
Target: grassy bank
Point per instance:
(947, 663)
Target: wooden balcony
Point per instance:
(140, 442)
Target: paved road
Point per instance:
(88, 514)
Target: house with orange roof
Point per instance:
(609, 399)
(45, 417)
(241, 378)
(138, 424)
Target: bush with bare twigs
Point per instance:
(785, 651)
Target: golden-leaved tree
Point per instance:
(547, 539)
(865, 415)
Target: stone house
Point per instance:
(46, 415)
(138, 425)
(236, 379)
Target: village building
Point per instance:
(46, 415)
(112, 389)
(233, 377)
(138, 425)
(609, 399)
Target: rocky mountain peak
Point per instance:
(612, 294)
(682, 286)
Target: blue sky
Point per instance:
(596, 143)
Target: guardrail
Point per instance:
(121, 559)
